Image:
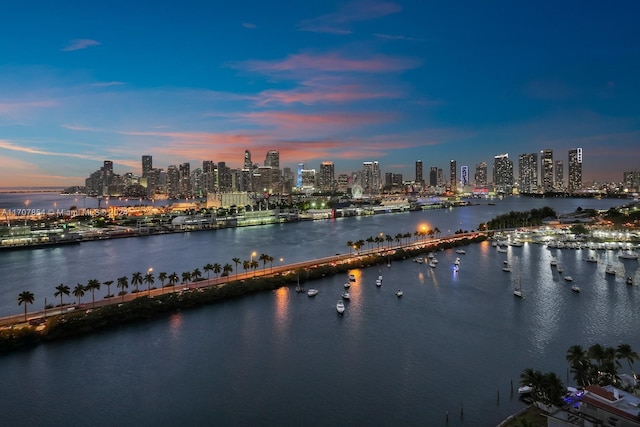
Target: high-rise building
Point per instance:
(299, 176)
(147, 165)
(272, 159)
(559, 179)
(546, 172)
(247, 160)
(528, 173)
(464, 176)
(225, 178)
(453, 172)
(326, 179)
(419, 179)
(503, 174)
(631, 181)
(575, 170)
(481, 174)
(186, 189)
(433, 176)
(308, 179)
(377, 177)
(209, 176)
(173, 182)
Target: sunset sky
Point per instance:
(341, 81)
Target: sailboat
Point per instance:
(517, 291)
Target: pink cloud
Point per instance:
(339, 22)
(9, 108)
(78, 44)
(305, 122)
(336, 94)
(333, 62)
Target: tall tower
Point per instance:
(453, 175)
(419, 179)
(559, 171)
(575, 170)
(327, 176)
(147, 165)
(503, 174)
(433, 176)
(481, 174)
(528, 172)
(546, 160)
(247, 160)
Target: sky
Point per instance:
(342, 81)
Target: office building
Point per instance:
(546, 172)
(419, 179)
(528, 173)
(481, 174)
(453, 175)
(503, 174)
(575, 170)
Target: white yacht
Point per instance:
(507, 268)
(575, 288)
(554, 261)
(629, 255)
(398, 293)
(460, 251)
(312, 292)
(592, 258)
(568, 278)
(352, 278)
(340, 306)
(346, 295)
(610, 270)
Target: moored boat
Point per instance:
(346, 295)
(340, 306)
(352, 278)
(399, 293)
(568, 278)
(460, 251)
(629, 280)
(610, 270)
(312, 292)
(628, 255)
(575, 288)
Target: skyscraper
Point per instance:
(575, 170)
(528, 173)
(419, 179)
(464, 176)
(433, 176)
(327, 176)
(147, 165)
(559, 172)
(481, 174)
(503, 174)
(299, 176)
(247, 160)
(546, 160)
(453, 175)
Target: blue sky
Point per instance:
(344, 81)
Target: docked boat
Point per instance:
(507, 268)
(419, 260)
(312, 292)
(346, 295)
(554, 261)
(575, 288)
(610, 270)
(525, 389)
(502, 250)
(560, 269)
(568, 278)
(460, 251)
(352, 278)
(628, 255)
(340, 306)
(629, 280)
(516, 243)
(380, 278)
(457, 261)
(592, 258)
(398, 293)
(432, 264)
(347, 285)
(378, 283)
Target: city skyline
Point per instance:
(343, 81)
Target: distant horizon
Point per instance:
(347, 81)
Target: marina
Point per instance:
(461, 330)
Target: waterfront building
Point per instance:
(225, 180)
(196, 183)
(559, 172)
(546, 172)
(244, 180)
(503, 174)
(262, 179)
(419, 178)
(343, 182)
(528, 173)
(308, 177)
(103, 182)
(272, 159)
(173, 182)
(575, 170)
(464, 176)
(453, 175)
(228, 199)
(440, 180)
(326, 178)
(481, 174)
(433, 176)
(186, 189)
(299, 176)
(208, 176)
(631, 181)
(286, 183)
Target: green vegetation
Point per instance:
(513, 219)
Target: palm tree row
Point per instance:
(137, 279)
(380, 240)
(596, 365)
(599, 364)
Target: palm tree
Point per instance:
(254, 264)
(236, 261)
(173, 279)
(407, 236)
(431, 232)
(370, 241)
(246, 264)
(78, 292)
(350, 244)
(399, 237)
(149, 280)
(162, 276)
(136, 279)
(579, 363)
(379, 240)
(93, 285)
(208, 268)
(552, 389)
(436, 231)
(227, 268)
(61, 290)
(624, 351)
(123, 284)
(264, 258)
(108, 284)
(186, 276)
(25, 297)
(270, 259)
(217, 268)
(195, 275)
(389, 239)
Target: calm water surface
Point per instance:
(453, 341)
